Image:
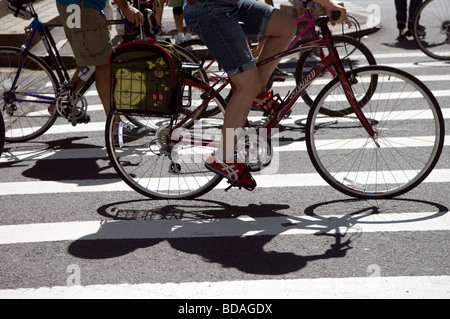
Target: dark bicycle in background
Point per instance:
(431, 28)
(34, 91)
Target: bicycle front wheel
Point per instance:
(410, 135)
(156, 167)
(28, 107)
(431, 29)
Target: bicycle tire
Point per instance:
(359, 55)
(153, 166)
(25, 120)
(2, 134)
(431, 29)
(410, 136)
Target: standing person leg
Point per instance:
(178, 17)
(158, 7)
(401, 15)
(413, 6)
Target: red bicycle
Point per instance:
(385, 146)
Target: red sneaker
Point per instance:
(237, 173)
(265, 101)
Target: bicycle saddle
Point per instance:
(17, 3)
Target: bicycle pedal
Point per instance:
(85, 119)
(239, 185)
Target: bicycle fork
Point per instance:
(346, 83)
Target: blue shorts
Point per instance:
(217, 23)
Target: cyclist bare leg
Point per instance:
(247, 86)
(102, 83)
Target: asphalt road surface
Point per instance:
(70, 228)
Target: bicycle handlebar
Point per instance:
(335, 15)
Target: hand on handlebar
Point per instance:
(133, 15)
(332, 6)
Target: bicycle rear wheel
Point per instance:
(410, 135)
(158, 168)
(27, 107)
(431, 29)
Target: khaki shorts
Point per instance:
(89, 38)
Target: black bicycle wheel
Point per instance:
(409, 137)
(351, 51)
(28, 108)
(431, 29)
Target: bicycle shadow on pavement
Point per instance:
(70, 169)
(237, 237)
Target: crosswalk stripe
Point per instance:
(242, 226)
(117, 185)
(398, 287)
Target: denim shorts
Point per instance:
(217, 24)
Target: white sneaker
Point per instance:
(179, 38)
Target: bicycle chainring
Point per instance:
(72, 106)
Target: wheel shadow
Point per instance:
(236, 236)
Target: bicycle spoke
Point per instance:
(431, 29)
